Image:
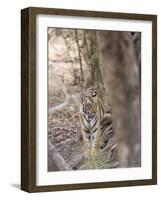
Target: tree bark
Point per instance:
(91, 55)
(121, 77)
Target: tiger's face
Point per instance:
(90, 103)
(89, 109)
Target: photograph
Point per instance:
(94, 99)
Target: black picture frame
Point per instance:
(28, 98)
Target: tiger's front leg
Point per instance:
(87, 145)
(96, 138)
(86, 135)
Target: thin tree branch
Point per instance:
(79, 55)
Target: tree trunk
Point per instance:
(121, 77)
(91, 54)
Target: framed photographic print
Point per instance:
(88, 99)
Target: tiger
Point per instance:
(96, 123)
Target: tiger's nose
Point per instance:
(89, 119)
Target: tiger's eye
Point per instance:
(94, 94)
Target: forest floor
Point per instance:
(64, 127)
